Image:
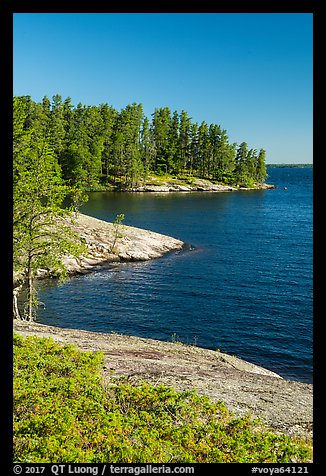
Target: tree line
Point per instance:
(59, 150)
(98, 145)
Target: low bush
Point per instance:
(64, 413)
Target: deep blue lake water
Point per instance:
(245, 289)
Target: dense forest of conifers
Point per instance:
(98, 145)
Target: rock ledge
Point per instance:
(283, 404)
(133, 244)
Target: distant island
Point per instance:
(100, 148)
(300, 166)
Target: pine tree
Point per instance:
(251, 162)
(194, 148)
(173, 145)
(241, 171)
(46, 113)
(126, 149)
(203, 146)
(223, 158)
(160, 133)
(184, 139)
(94, 143)
(41, 238)
(261, 173)
(57, 130)
(97, 144)
(147, 149)
(109, 115)
(214, 134)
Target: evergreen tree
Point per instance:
(251, 162)
(109, 115)
(81, 158)
(223, 158)
(40, 238)
(160, 133)
(76, 154)
(46, 114)
(194, 148)
(57, 130)
(21, 134)
(203, 146)
(126, 145)
(173, 144)
(184, 140)
(241, 172)
(96, 144)
(147, 149)
(229, 176)
(214, 133)
(261, 173)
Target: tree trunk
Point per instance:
(30, 291)
(16, 313)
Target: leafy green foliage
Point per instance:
(117, 224)
(63, 413)
(40, 236)
(98, 145)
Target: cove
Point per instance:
(244, 286)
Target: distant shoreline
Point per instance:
(292, 166)
(162, 185)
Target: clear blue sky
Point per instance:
(250, 73)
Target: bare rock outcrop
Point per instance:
(106, 244)
(194, 185)
(283, 404)
(245, 388)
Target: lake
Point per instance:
(244, 287)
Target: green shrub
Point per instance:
(64, 413)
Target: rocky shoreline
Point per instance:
(245, 388)
(106, 245)
(284, 405)
(131, 244)
(197, 185)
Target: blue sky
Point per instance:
(250, 73)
